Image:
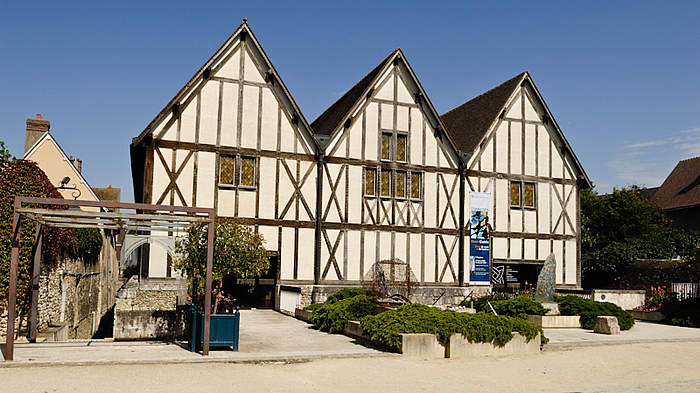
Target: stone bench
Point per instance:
(606, 325)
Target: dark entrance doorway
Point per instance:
(511, 277)
(255, 292)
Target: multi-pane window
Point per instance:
(416, 185)
(386, 146)
(385, 183)
(394, 149)
(522, 194)
(401, 144)
(400, 184)
(237, 171)
(370, 182)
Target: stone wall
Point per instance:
(154, 308)
(626, 299)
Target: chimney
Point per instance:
(77, 163)
(36, 128)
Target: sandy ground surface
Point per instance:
(653, 367)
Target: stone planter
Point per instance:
(460, 348)
(353, 329)
(555, 321)
(304, 315)
(653, 316)
(421, 345)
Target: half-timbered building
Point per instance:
(515, 151)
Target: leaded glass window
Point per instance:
(385, 184)
(401, 147)
(515, 188)
(529, 195)
(386, 146)
(227, 169)
(247, 172)
(415, 185)
(370, 181)
(400, 184)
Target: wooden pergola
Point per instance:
(117, 216)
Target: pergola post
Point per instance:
(12, 298)
(33, 325)
(207, 286)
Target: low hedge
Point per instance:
(589, 310)
(346, 293)
(682, 312)
(518, 307)
(386, 328)
(332, 317)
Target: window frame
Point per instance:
(520, 194)
(396, 145)
(364, 182)
(534, 195)
(391, 184)
(233, 177)
(405, 185)
(237, 173)
(420, 186)
(390, 134)
(240, 172)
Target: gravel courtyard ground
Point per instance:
(652, 367)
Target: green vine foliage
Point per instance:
(238, 252)
(386, 328)
(87, 245)
(24, 178)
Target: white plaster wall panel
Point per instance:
(542, 151)
(225, 206)
(355, 194)
(285, 189)
(205, 179)
(288, 136)
(353, 255)
(557, 172)
(400, 239)
(429, 198)
(171, 133)
(340, 145)
(387, 91)
(269, 235)
(530, 112)
(429, 274)
(402, 93)
(571, 207)
(529, 152)
(530, 249)
(416, 137)
(371, 134)
(500, 248)
(384, 245)
(355, 139)
(516, 248)
(230, 69)
(370, 251)
(160, 176)
(543, 212)
(416, 253)
(333, 215)
(326, 252)
(251, 72)
(246, 203)
(530, 221)
(184, 181)
(308, 189)
(516, 220)
(543, 249)
(287, 254)
(501, 198)
(487, 158)
(229, 114)
(430, 146)
(502, 148)
(387, 121)
(515, 111)
(402, 118)
(188, 120)
(270, 107)
(209, 113)
(567, 169)
(570, 261)
(516, 149)
(249, 125)
(266, 182)
(305, 270)
(558, 255)
(558, 228)
(157, 261)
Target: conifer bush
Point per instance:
(589, 310)
(519, 307)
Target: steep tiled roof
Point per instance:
(469, 122)
(682, 187)
(329, 120)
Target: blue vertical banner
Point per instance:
(479, 238)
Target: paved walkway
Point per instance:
(641, 332)
(266, 335)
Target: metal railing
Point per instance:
(686, 290)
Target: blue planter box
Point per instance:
(223, 330)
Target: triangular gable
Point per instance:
(47, 137)
(470, 123)
(331, 121)
(217, 64)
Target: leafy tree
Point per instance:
(238, 252)
(5, 156)
(621, 227)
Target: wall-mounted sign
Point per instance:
(479, 239)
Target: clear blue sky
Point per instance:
(622, 78)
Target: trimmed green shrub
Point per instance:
(386, 328)
(589, 310)
(346, 293)
(332, 317)
(480, 302)
(517, 307)
(682, 312)
(313, 306)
